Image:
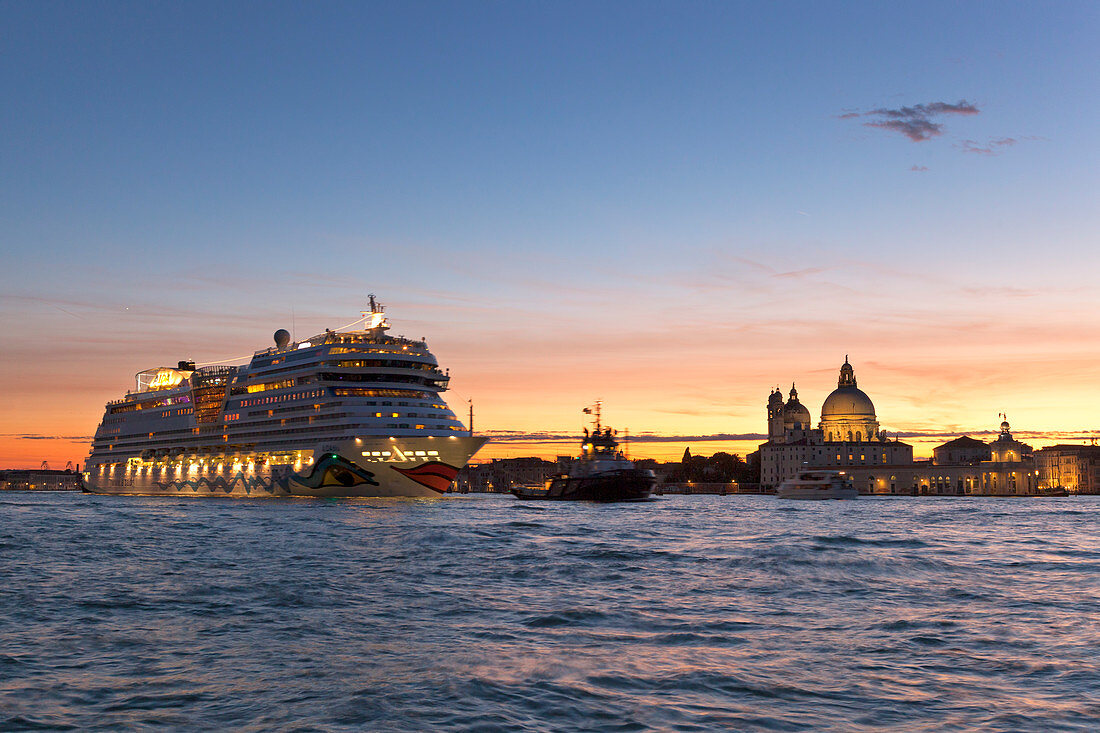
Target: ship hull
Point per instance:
(816, 492)
(802, 494)
(628, 485)
(344, 469)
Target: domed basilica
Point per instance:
(848, 433)
(848, 438)
(847, 416)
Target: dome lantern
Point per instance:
(795, 414)
(847, 375)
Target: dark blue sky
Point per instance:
(509, 169)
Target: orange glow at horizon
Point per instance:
(707, 376)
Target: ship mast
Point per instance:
(376, 316)
(596, 408)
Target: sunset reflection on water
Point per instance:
(689, 612)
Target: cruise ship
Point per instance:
(347, 413)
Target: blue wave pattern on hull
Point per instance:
(688, 613)
(330, 470)
(248, 484)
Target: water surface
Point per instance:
(487, 613)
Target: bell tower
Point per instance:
(775, 416)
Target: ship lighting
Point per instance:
(186, 448)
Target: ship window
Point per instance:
(433, 453)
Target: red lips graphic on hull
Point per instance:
(436, 476)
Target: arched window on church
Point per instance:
(859, 436)
(849, 436)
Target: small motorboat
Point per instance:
(817, 485)
(1053, 491)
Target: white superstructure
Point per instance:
(817, 485)
(344, 413)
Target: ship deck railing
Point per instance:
(333, 337)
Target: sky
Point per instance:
(671, 207)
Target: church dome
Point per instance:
(848, 415)
(797, 411)
(847, 402)
(795, 414)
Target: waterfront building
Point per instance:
(1010, 470)
(1075, 468)
(848, 434)
(963, 451)
(501, 474)
(39, 480)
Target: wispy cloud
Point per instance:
(918, 123)
(1006, 291)
(993, 147)
(1071, 436)
(519, 436)
(36, 436)
(799, 274)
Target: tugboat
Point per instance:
(601, 473)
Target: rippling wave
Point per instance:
(487, 613)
